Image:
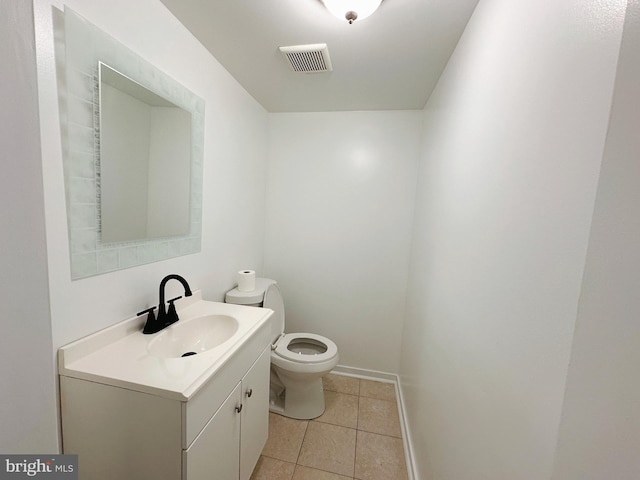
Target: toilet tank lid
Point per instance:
(247, 298)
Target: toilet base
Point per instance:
(300, 402)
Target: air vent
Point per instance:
(308, 58)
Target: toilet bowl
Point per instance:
(298, 360)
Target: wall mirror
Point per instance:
(132, 141)
(145, 161)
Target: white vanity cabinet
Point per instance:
(229, 446)
(254, 425)
(217, 432)
(215, 453)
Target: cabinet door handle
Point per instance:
(249, 392)
(239, 408)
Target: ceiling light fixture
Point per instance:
(352, 9)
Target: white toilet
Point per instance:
(298, 360)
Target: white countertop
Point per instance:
(119, 356)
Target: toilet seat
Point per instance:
(285, 345)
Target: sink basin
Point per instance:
(193, 336)
(122, 356)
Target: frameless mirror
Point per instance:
(145, 161)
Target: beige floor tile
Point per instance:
(380, 390)
(306, 473)
(285, 438)
(329, 447)
(379, 457)
(340, 409)
(341, 383)
(272, 469)
(379, 416)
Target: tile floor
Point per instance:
(357, 437)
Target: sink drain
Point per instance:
(188, 354)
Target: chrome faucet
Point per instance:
(165, 317)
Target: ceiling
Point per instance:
(389, 61)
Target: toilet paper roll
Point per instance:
(246, 280)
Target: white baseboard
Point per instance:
(366, 374)
(404, 425)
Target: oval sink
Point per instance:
(184, 339)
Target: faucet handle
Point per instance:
(148, 310)
(173, 300)
(172, 314)
(151, 326)
(172, 307)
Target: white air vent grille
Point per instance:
(308, 58)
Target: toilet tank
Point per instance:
(254, 298)
(265, 287)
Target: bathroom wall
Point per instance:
(513, 140)
(600, 429)
(27, 409)
(340, 193)
(235, 148)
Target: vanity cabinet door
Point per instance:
(255, 413)
(214, 454)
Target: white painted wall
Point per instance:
(600, 429)
(27, 409)
(513, 139)
(340, 195)
(235, 148)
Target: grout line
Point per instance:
(302, 443)
(358, 410)
(355, 455)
